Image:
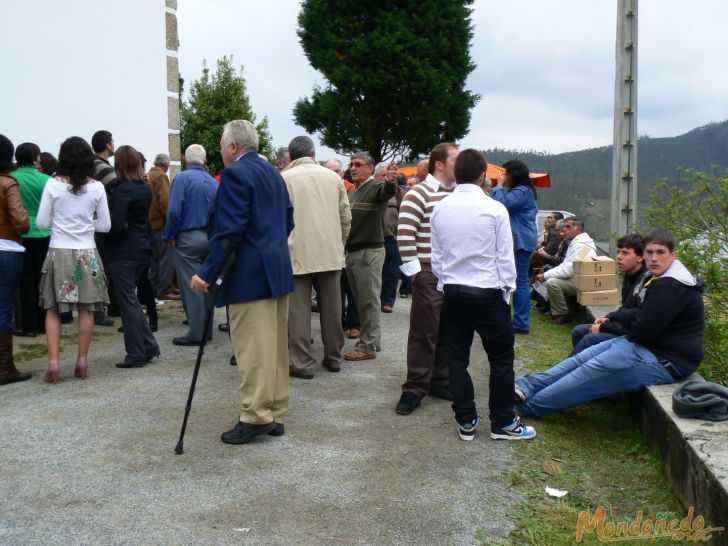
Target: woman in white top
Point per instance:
(74, 207)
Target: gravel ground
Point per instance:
(92, 462)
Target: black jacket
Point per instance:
(633, 292)
(672, 319)
(130, 231)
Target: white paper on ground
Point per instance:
(555, 492)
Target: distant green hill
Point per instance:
(581, 181)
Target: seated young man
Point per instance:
(664, 342)
(631, 262)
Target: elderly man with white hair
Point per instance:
(188, 213)
(253, 218)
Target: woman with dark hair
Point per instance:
(130, 245)
(516, 191)
(13, 223)
(48, 164)
(73, 275)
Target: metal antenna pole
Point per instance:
(624, 158)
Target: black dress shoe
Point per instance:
(151, 357)
(278, 431)
(408, 403)
(301, 374)
(103, 320)
(154, 326)
(332, 365)
(440, 392)
(520, 332)
(233, 361)
(242, 433)
(185, 342)
(224, 327)
(186, 322)
(127, 364)
(23, 333)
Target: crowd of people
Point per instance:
(272, 242)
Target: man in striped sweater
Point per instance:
(426, 367)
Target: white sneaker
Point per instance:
(517, 430)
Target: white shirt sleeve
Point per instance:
(505, 260)
(45, 210)
(435, 253)
(102, 222)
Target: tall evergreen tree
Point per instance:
(396, 74)
(214, 100)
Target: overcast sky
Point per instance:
(545, 69)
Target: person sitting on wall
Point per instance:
(631, 262)
(664, 343)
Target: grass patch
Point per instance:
(596, 452)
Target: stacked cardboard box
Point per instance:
(596, 281)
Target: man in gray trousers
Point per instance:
(190, 203)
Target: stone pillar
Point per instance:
(173, 120)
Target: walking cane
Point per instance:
(208, 320)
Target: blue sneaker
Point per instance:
(517, 430)
(466, 431)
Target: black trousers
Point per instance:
(467, 310)
(32, 317)
(139, 341)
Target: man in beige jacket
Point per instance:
(322, 219)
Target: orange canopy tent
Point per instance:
(541, 180)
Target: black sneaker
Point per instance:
(466, 431)
(408, 403)
(517, 430)
(440, 392)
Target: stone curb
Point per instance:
(694, 457)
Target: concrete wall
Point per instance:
(71, 68)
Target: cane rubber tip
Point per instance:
(178, 450)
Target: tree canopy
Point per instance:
(396, 74)
(214, 100)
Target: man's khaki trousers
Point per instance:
(364, 269)
(558, 289)
(259, 333)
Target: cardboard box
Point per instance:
(590, 283)
(595, 266)
(599, 297)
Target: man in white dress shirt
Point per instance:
(472, 258)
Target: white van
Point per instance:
(542, 214)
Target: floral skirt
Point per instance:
(73, 279)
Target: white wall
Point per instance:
(70, 68)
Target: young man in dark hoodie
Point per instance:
(664, 342)
(631, 262)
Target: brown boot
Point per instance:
(8, 372)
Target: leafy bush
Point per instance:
(696, 211)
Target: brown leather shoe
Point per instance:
(353, 333)
(560, 319)
(358, 355)
(387, 309)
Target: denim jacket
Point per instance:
(522, 209)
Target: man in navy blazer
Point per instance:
(252, 218)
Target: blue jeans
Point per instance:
(615, 366)
(522, 298)
(581, 338)
(11, 269)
